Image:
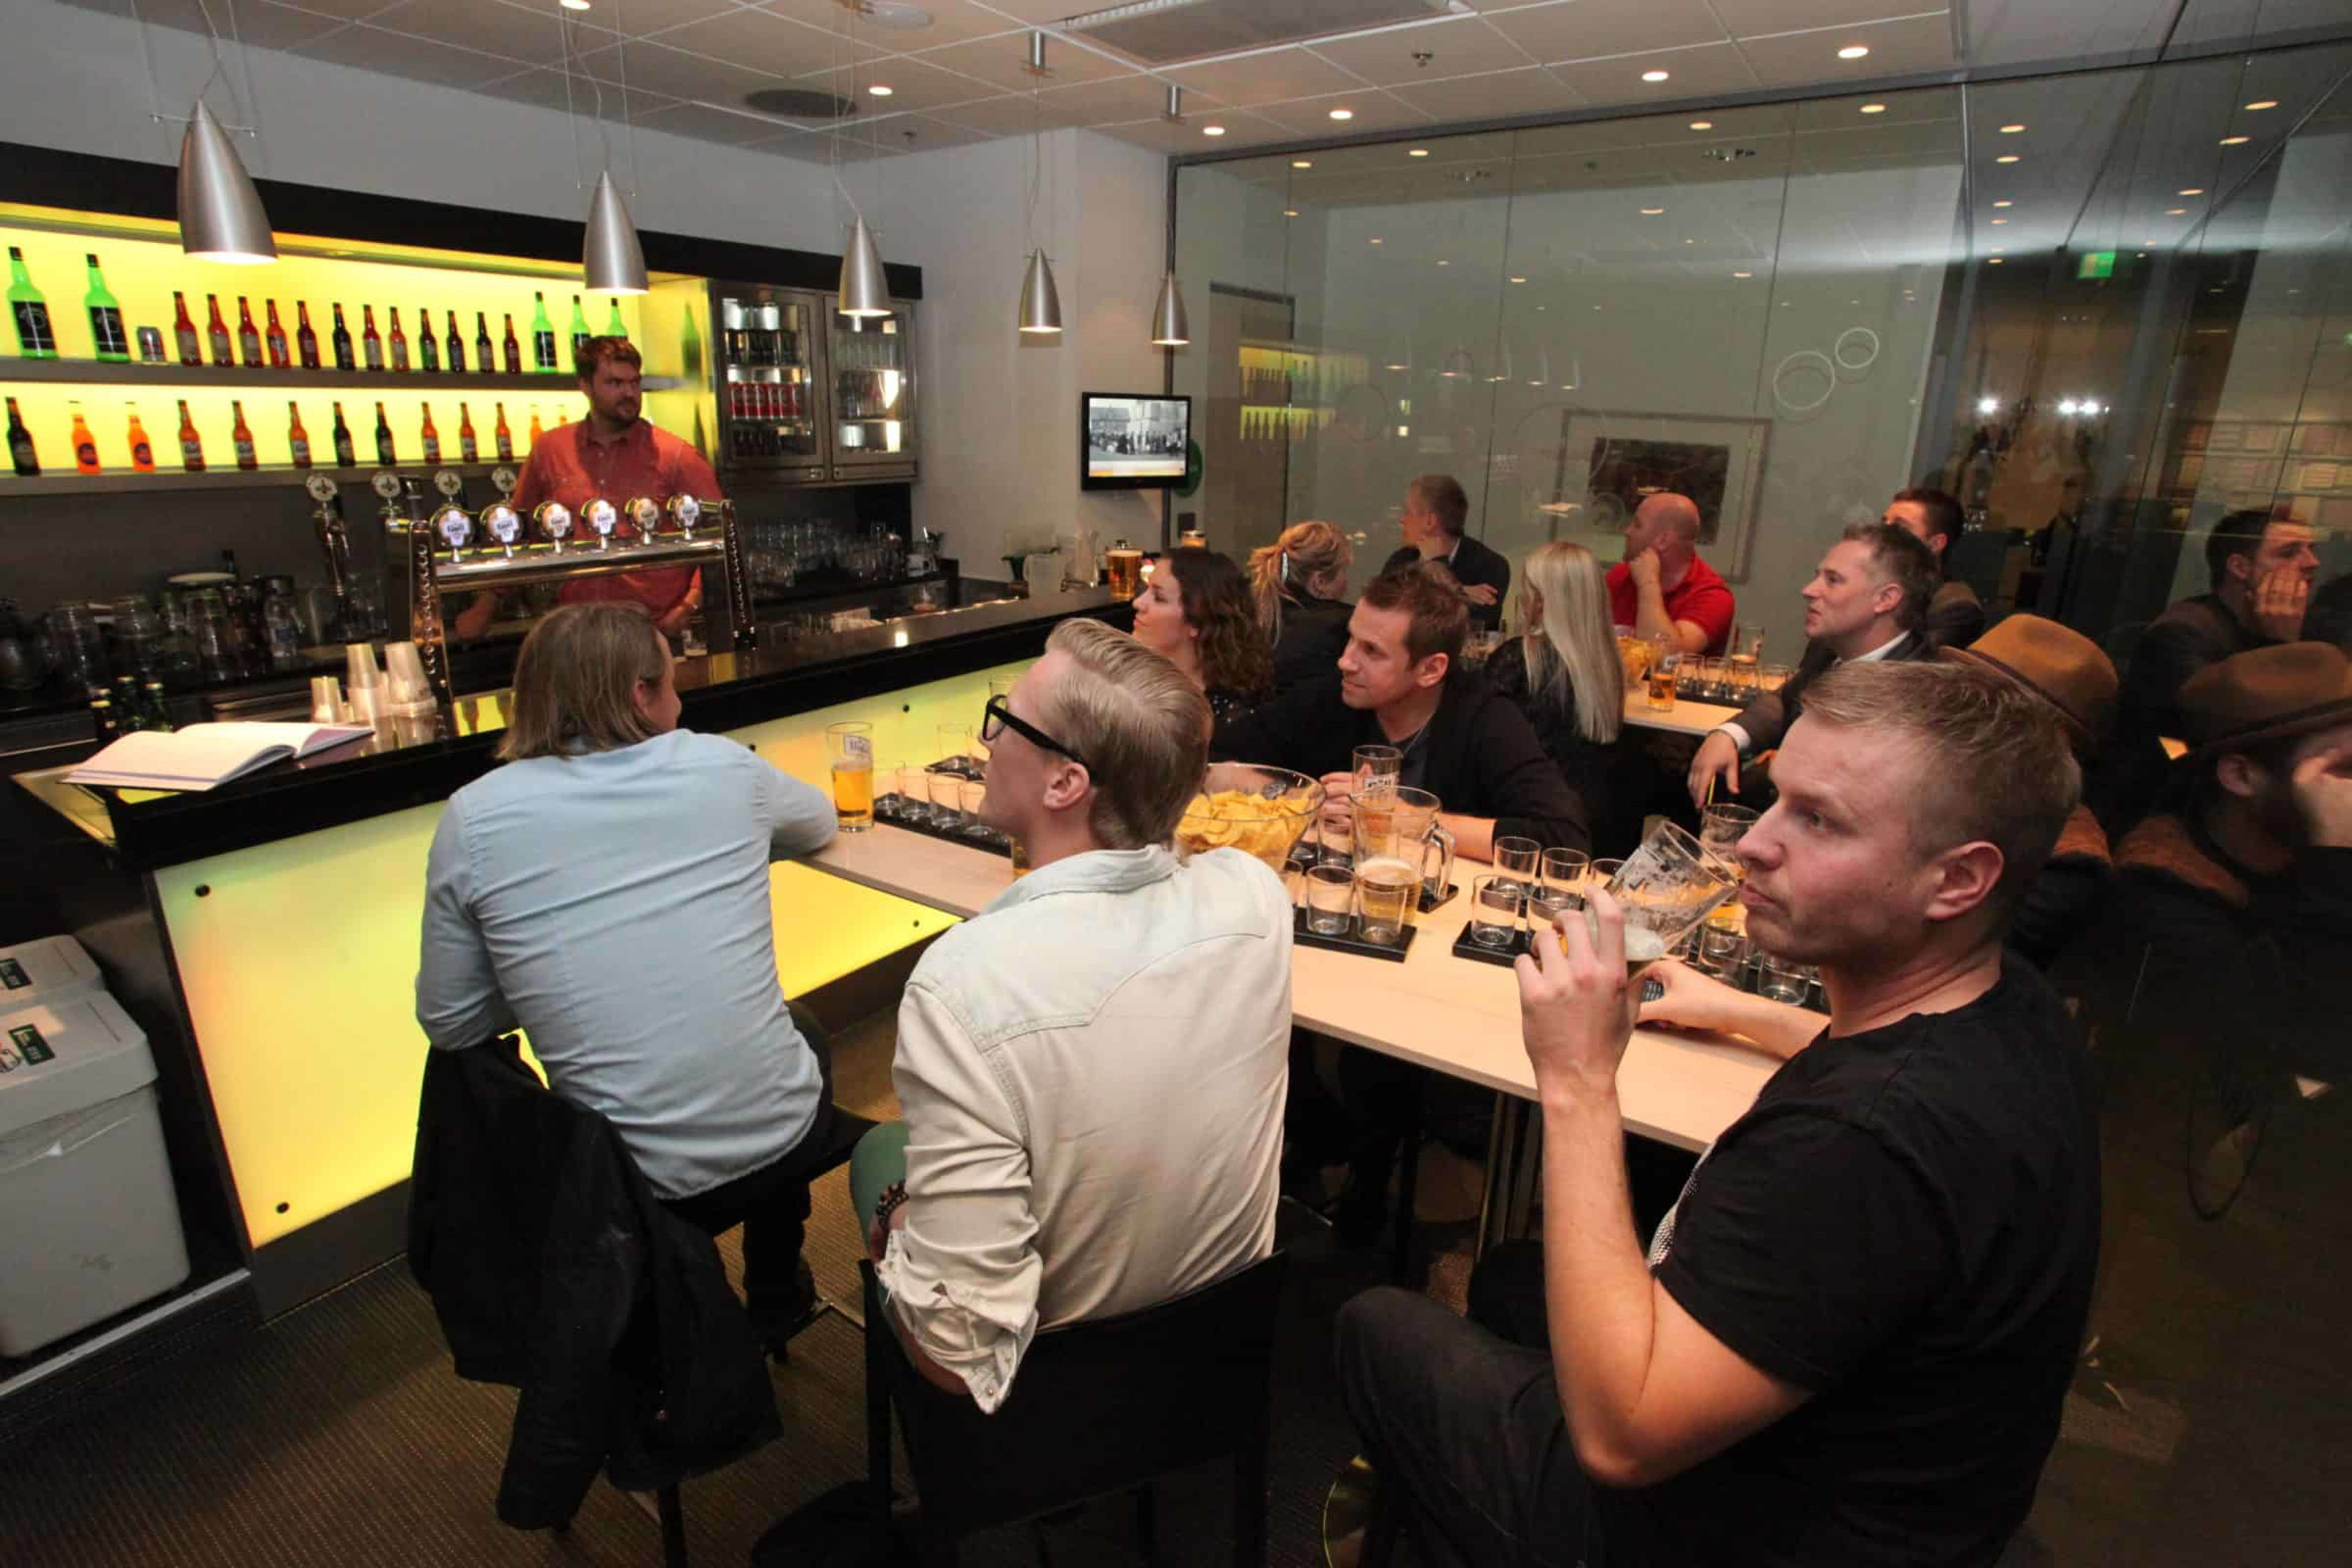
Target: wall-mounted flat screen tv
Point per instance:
(1132, 441)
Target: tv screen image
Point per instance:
(1134, 440)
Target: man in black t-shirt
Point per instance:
(1852, 1335)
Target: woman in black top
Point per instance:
(1196, 613)
(1563, 672)
(1298, 582)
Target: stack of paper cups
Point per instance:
(410, 693)
(326, 699)
(365, 682)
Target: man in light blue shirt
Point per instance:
(606, 891)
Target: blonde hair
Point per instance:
(1142, 728)
(1305, 551)
(576, 682)
(1570, 648)
(1997, 764)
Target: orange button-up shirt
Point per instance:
(573, 465)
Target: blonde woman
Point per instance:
(1298, 582)
(1563, 672)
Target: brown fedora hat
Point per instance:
(2267, 694)
(2057, 664)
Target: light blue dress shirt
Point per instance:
(614, 905)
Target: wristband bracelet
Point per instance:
(894, 1196)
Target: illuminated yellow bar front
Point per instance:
(298, 960)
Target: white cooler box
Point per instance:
(89, 1221)
(44, 971)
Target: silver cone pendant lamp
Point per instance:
(1040, 302)
(1168, 328)
(220, 213)
(613, 262)
(864, 291)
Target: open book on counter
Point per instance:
(200, 756)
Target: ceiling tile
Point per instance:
(1897, 48)
(1035, 11)
(2011, 32)
(1591, 30)
(546, 89)
(1244, 128)
(1368, 110)
(1458, 46)
(1266, 77)
(261, 26)
(1010, 114)
(914, 86)
(1750, 18)
(1845, 112)
(846, 40)
(678, 74)
(1116, 101)
(1530, 89)
(756, 40)
(1700, 71)
(717, 125)
(523, 33)
(397, 54)
(640, 18)
(1003, 63)
(953, 22)
(898, 137)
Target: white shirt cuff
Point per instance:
(1738, 736)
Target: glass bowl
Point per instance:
(1248, 807)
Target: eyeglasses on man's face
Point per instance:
(999, 718)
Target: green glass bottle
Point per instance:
(613, 326)
(542, 335)
(35, 339)
(579, 334)
(105, 316)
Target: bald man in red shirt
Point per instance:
(615, 454)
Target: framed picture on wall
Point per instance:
(1610, 460)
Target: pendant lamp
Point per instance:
(1040, 302)
(220, 213)
(613, 261)
(864, 289)
(1168, 328)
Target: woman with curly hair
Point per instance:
(1298, 582)
(1197, 615)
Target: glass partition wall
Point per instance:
(2062, 299)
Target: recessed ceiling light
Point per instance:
(1442, 262)
(1375, 239)
(1702, 124)
(575, 4)
(2194, 190)
(2176, 212)
(1993, 262)
(2000, 220)
(1213, 130)
(2262, 103)
(1343, 114)
(1518, 280)
(2011, 130)
(1873, 108)
(2006, 158)
(2235, 141)
(881, 89)
(1853, 51)
(1290, 212)
(1654, 76)
(1302, 163)
(1418, 153)
(2004, 202)
(1743, 275)
(1652, 212)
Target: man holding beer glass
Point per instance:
(1850, 1337)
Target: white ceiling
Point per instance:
(688, 64)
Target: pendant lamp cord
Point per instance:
(835, 161)
(247, 106)
(571, 111)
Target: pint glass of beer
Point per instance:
(851, 749)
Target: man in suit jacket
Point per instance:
(1867, 601)
(1435, 512)
(1955, 616)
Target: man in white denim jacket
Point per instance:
(1092, 1069)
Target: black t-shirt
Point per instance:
(1906, 1225)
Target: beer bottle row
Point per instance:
(267, 345)
(26, 456)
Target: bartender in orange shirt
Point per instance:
(615, 453)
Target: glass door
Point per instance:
(873, 364)
(768, 390)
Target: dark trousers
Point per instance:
(772, 1204)
(1467, 1420)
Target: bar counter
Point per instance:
(264, 933)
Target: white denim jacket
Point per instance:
(1092, 1072)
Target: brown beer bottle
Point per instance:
(298, 440)
(399, 342)
(503, 437)
(192, 446)
(273, 339)
(240, 436)
(432, 437)
(224, 351)
(467, 450)
(192, 347)
(248, 336)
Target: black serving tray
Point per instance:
(892, 808)
(1466, 946)
(1350, 941)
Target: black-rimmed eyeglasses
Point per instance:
(998, 718)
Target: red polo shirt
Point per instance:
(573, 465)
(1702, 598)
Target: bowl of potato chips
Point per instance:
(1258, 810)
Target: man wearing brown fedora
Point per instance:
(2066, 669)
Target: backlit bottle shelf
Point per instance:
(270, 475)
(116, 373)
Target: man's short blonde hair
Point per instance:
(576, 682)
(1997, 762)
(1142, 728)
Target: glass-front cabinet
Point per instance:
(771, 403)
(873, 380)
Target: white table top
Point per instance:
(1683, 717)
(1451, 1015)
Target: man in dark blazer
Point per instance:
(1435, 511)
(1867, 600)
